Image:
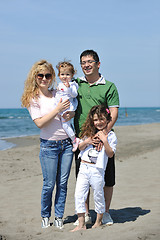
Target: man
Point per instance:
(94, 90)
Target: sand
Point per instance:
(135, 206)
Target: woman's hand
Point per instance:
(61, 106)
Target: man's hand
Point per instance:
(97, 143)
(68, 115)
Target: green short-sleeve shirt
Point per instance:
(101, 92)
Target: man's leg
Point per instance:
(108, 190)
(77, 161)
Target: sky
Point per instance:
(124, 33)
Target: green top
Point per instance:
(101, 92)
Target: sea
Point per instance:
(17, 122)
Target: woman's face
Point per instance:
(44, 78)
(100, 122)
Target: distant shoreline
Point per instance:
(26, 141)
(18, 123)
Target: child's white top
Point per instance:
(68, 93)
(42, 106)
(89, 154)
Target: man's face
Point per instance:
(89, 66)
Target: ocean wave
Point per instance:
(4, 145)
(14, 117)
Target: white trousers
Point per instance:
(68, 129)
(88, 176)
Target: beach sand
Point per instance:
(135, 206)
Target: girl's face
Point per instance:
(100, 123)
(65, 75)
(44, 78)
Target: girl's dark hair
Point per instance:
(88, 128)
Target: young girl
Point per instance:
(93, 163)
(55, 147)
(67, 89)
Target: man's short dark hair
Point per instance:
(91, 53)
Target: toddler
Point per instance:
(67, 89)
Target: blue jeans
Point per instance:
(56, 160)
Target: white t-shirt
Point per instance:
(68, 93)
(89, 154)
(42, 106)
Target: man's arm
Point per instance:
(114, 115)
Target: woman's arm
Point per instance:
(42, 121)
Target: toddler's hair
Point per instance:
(66, 64)
(88, 128)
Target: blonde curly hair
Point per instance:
(31, 89)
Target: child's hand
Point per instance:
(89, 140)
(66, 83)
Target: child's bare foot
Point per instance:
(78, 228)
(98, 224)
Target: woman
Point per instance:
(55, 146)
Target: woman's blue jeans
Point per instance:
(56, 160)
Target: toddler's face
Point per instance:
(65, 75)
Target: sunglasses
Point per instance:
(47, 76)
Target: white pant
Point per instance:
(68, 129)
(88, 176)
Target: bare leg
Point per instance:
(81, 226)
(98, 220)
(108, 192)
